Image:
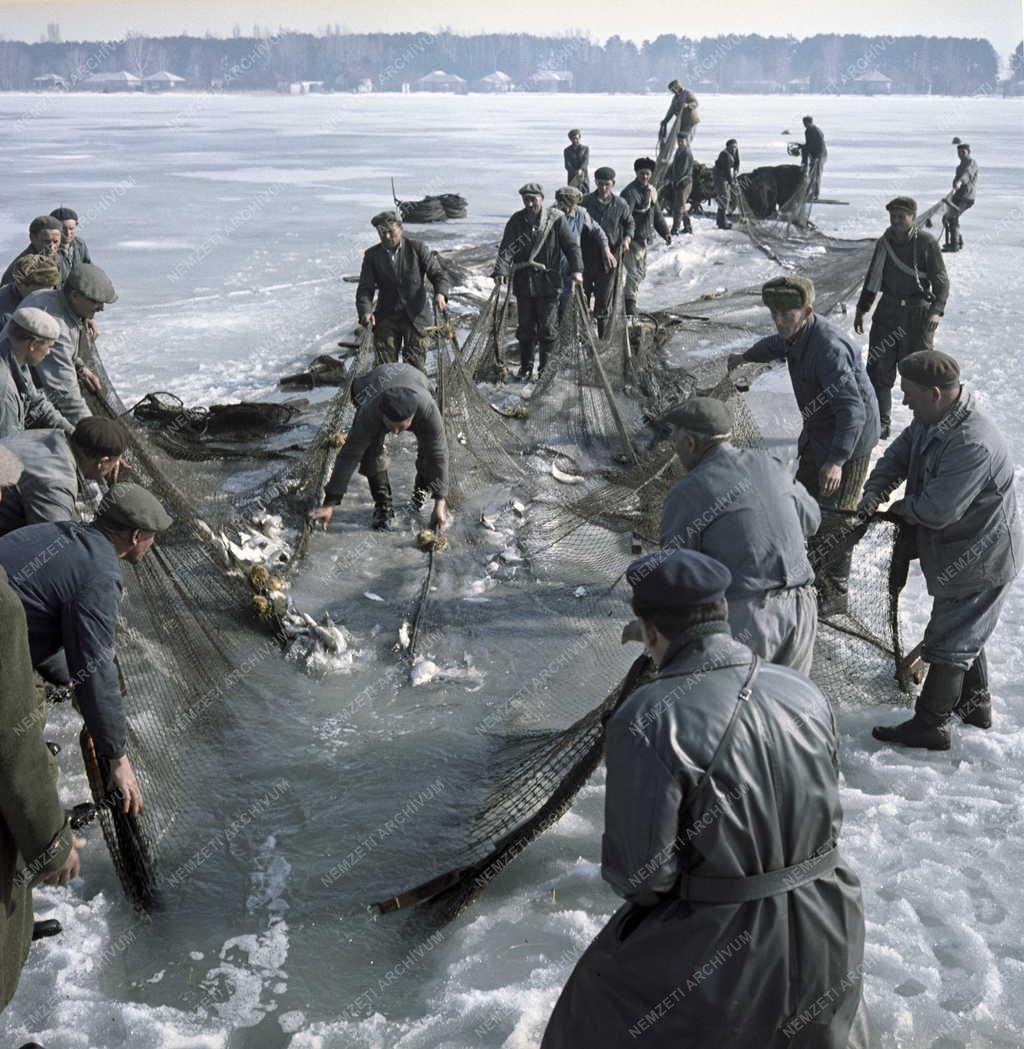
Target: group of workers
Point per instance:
(742, 925)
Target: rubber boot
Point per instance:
(974, 707)
(720, 220)
(687, 224)
(928, 729)
(526, 361)
(380, 489)
(602, 325)
(544, 356)
(630, 307)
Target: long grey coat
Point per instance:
(48, 486)
(960, 495)
(778, 970)
(22, 406)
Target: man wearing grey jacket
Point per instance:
(742, 507)
(960, 499)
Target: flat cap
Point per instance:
(101, 437)
(10, 467)
(64, 213)
(676, 579)
(674, 85)
(605, 174)
(964, 145)
(568, 194)
(36, 322)
(703, 417)
(902, 204)
(398, 403)
(533, 188)
(575, 131)
(386, 218)
(644, 163)
(39, 271)
(788, 293)
(129, 506)
(930, 368)
(92, 282)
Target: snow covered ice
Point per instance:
(226, 224)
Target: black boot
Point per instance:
(380, 489)
(601, 326)
(720, 220)
(630, 307)
(974, 707)
(928, 729)
(687, 224)
(525, 361)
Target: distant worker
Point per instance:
(743, 927)
(44, 237)
(642, 197)
(73, 249)
(392, 398)
(587, 231)
(576, 157)
(684, 106)
(36, 842)
(965, 179)
(533, 245)
(813, 156)
(680, 180)
(615, 217)
(839, 413)
(742, 507)
(726, 173)
(26, 341)
(64, 371)
(68, 577)
(30, 273)
(907, 269)
(397, 270)
(960, 500)
(53, 461)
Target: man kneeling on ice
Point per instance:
(390, 399)
(743, 928)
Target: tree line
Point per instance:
(829, 62)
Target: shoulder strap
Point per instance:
(549, 224)
(742, 698)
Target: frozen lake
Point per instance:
(226, 224)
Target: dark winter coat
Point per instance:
(545, 242)
(648, 219)
(401, 287)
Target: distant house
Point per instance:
(300, 87)
(871, 83)
(757, 87)
(494, 83)
(550, 80)
(110, 82)
(799, 85)
(49, 82)
(440, 81)
(357, 85)
(162, 81)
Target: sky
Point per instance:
(998, 20)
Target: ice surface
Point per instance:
(226, 224)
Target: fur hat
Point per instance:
(36, 271)
(644, 164)
(788, 293)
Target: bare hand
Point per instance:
(439, 518)
(577, 278)
(609, 258)
(735, 360)
(126, 787)
(626, 241)
(369, 320)
(321, 513)
(932, 322)
(858, 322)
(442, 302)
(94, 332)
(90, 378)
(829, 478)
(70, 868)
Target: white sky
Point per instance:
(1000, 21)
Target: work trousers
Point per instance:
(538, 323)
(395, 336)
(896, 332)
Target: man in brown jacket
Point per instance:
(36, 843)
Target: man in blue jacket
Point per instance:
(960, 498)
(838, 406)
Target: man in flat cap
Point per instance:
(397, 270)
(36, 842)
(726, 175)
(965, 179)
(60, 375)
(576, 158)
(960, 501)
(813, 155)
(587, 231)
(615, 217)
(30, 273)
(742, 507)
(641, 196)
(391, 399)
(534, 242)
(680, 180)
(73, 250)
(742, 925)
(907, 270)
(839, 412)
(53, 461)
(26, 341)
(68, 577)
(44, 234)
(682, 114)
